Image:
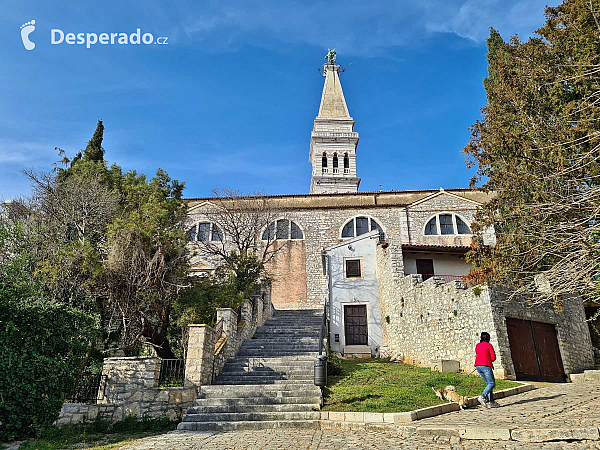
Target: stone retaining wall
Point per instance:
(432, 320)
(202, 365)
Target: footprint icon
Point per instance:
(26, 30)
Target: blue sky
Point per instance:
(230, 100)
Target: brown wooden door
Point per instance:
(546, 342)
(355, 324)
(534, 350)
(425, 268)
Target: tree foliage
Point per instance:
(110, 243)
(537, 148)
(41, 344)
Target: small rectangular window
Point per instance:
(362, 225)
(446, 226)
(203, 232)
(353, 269)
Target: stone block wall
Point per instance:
(202, 365)
(74, 413)
(130, 388)
(431, 320)
(427, 321)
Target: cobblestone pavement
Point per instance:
(315, 439)
(552, 406)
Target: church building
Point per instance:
(390, 264)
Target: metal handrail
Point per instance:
(323, 330)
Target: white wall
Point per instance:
(443, 264)
(364, 291)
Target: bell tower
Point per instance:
(333, 140)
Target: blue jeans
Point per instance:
(488, 376)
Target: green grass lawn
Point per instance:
(379, 385)
(97, 435)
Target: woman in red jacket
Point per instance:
(484, 358)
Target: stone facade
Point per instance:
(433, 320)
(402, 216)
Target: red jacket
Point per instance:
(485, 355)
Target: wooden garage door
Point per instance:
(355, 324)
(534, 349)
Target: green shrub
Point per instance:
(41, 349)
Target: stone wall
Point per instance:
(202, 365)
(132, 386)
(287, 271)
(321, 222)
(434, 320)
(74, 413)
(429, 320)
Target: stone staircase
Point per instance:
(269, 384)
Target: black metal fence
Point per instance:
(172, 373)
(87, 387)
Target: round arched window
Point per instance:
(282, 229)
(360, 225)
(205, 232)
(446, 223)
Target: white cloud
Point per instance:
(355, 27)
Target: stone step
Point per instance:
(248, 372)
(257, 381)
(256, 408)
(260, 401)
(230, 369)
(258, 391)
(258, 353)
(254, 360)
(252, 416)
(277, 339)
(247, 425)
(284, 347)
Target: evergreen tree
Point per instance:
(537, 149)
(94, 150)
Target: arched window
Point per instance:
(205, 232)
(335, 163)
(283, 229)
(360, 225)
(346, 163)
(324, 163)
(445, 224)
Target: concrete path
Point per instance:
(565, 407)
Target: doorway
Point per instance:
(425, 268)
(355, 325)
(535, 352)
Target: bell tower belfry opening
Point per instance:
(333, 140)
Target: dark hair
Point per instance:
(485, 337)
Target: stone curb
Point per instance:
(411, 416)
(529, 435)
